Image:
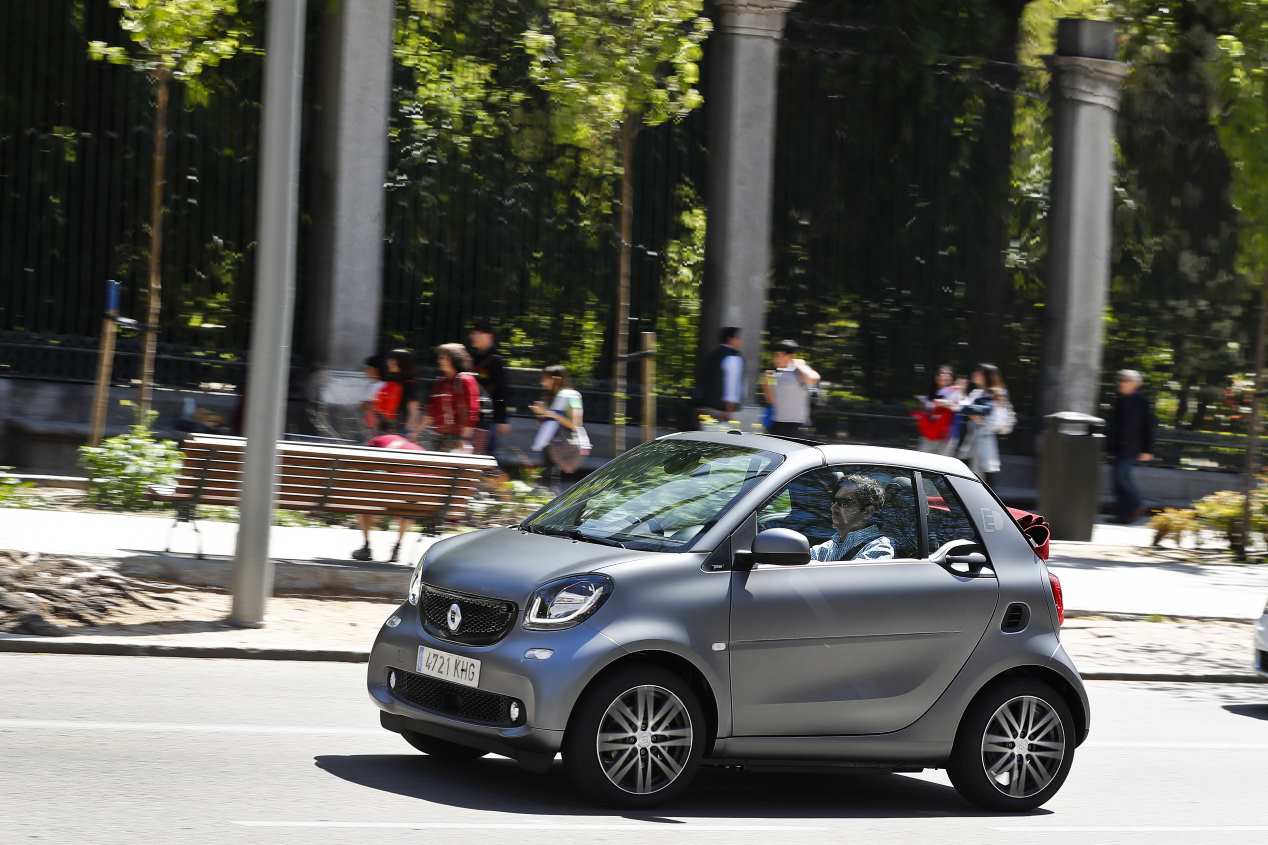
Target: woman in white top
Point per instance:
(561, 438)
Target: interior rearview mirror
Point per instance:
(780, 547)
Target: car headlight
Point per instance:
(416, 582)
(567, 601)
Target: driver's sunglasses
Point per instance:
(841, 503)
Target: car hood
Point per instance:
(507, 563)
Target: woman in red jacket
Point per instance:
(453, 409)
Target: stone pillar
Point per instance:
(345, 267)
(742, 104)
(1086, 83)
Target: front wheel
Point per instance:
(450, 752)
(1014, 747)
(636, 738)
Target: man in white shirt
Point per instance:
(720, 381)
(787, 389)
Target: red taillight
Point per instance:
(1055, 583)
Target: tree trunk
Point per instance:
(1252, 444)
(994, 157)
(155, 289)
(629, 129)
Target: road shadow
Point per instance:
(1254, 711)
(500, 785)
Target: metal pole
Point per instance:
(649, 386)
(105, 364)
(274, 302)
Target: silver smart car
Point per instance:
(723, 598)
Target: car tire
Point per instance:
(450, 752)
(659, 764)
(1014, 746)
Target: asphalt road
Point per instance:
(126, 750)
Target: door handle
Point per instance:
(966, 564)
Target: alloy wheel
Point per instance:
(1023, 746)
(644, 739)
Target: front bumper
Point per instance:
(547, 689)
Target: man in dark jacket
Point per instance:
(490, 371)
(720, 381)
(1131, 439)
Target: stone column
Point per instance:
(345, 267)
(1086, 82)
(742, 104)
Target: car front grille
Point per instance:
(481, 621)
(448, 699)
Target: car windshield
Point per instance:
(658, 497)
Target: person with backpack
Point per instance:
(490, 371)
(989, 415)
(453, 409)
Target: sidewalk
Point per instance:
(1132, 611)
(1116, 574)
(343, 630)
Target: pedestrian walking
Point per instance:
(382, 402)
(561, 436)
(787, 389)
(366, 521)
(720, 380)
(1130, 439)
(453, 408)
(490, 371)
(936, 419)
(989, 414)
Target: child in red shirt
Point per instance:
(453, 409)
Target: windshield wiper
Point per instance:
(578, 534)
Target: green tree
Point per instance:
(608, 70)
(170, 40)
(1242, 121)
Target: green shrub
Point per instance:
(1222, 512)
(1174, 523)
(122, 469)
(13, 490)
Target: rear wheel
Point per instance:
(442, 749)
(636, 738)
(1014, 747)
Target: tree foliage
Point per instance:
(179, 38)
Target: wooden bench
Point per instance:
(430, 487)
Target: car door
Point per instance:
(854, 646)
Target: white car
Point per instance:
(1261, 644)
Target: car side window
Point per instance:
(849, 513)
(948, 518)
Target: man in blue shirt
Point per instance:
(855, 502)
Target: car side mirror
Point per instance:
(780, 547)
(963, 557)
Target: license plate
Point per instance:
(448, 667)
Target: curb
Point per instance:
(1177, 677)
(1117, 616)
(54, 646)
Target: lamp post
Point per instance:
(269, 365)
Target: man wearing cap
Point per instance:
(1131, 439)
(787, 389)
